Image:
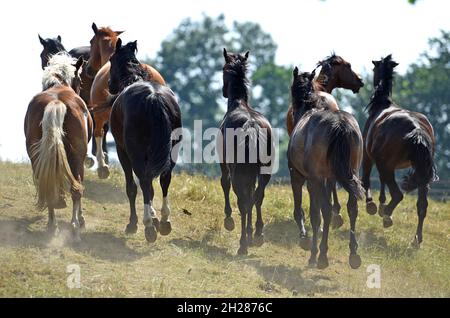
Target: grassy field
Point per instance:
(198, 259)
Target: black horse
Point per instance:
(325, 146)
(242, 174)
(395, 138)
(143, 118)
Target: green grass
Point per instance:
(198, 259)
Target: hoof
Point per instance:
(155, 222)
(305, 243)
(322, 262)
(103, 172)
(387, 221)
(371, 208)
(337, 221)
(82, 223)
(354, 260)
(415, 244)
(151, 234)
(131, 228)
(76, 234)
(381, 209)
(165, 228)
(258, 240)
(228, 223)
(242, 251)
(312, 262)
(52, 229)
(89, 162)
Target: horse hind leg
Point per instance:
(52, 225)
(225, 182)
(131, 189)
(103, 168)
(367, 164)
(165, 227)
(150, 219)
(326, 208)
(382, 199)
(75, 223)
(314, 214)
(336, 219)
(422, 205)
(352, 208)
(388, 177)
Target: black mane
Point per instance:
(235, 74)
(303, 93)
(381, 98)
(125, 68)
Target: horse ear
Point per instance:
(376, 63)
(394, 64)
(59, 38)
(118, 32)
(295, 72)
(134, 45)
(78, 64)
(94, 27)
(246, 54)
(118, 44)
(42, 40)
(313, 74)
(225, 54)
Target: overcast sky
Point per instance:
(305, 31)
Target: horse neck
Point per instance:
(301, 105)
(381, 99)
(237, 94)
(133, 75)
(327, 82)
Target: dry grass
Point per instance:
(198, 259)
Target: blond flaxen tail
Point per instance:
(51, 171)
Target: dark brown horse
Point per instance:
(395, 138)
(57, 130)
(335, 72)
(143, 118)
(325, 146)
(102, 47)
(253, 132)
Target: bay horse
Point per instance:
(103, 44)
(57, 129)
(335, 72)
(242, 175)
(143, 118)
(396, 138)
(324, 146)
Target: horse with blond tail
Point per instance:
(57, 130)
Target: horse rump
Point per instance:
(423, 169)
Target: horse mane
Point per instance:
(106, 31)
(59, 71)
(381, 98)
(236, 71)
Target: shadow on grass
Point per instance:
(283, 233)
(103, 192)
(288, 277)
(101, 245)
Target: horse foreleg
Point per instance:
(371, 207)
(225, 181)
(52, 226)
(263, 180)
(314, 215)
(103, 168)
(325, 205)
(352, 208)
(297, 181)
(382, 199)
(131, 189)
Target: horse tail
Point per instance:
(158, 152)
(423, 169)
(339, 156)
(51, 171)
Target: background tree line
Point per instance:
(191, 61)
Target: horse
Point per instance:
(324, 146)
(335, 73)
(54, 46)
(255, 133)
(143, 117)
(102, 47)
(57, 129)
(396, 138)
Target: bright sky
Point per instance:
(305, 31)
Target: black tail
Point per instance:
(421, 155)
(158, 152)
(339, 152)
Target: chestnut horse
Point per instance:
(143, 118)
(325, 146)
(57, 130)
(335, 73)
(395, 138)
(242, 175)
(102, 47)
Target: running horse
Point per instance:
(252, 133)
(324, 146)
(57, 130)
(143, 117)
(335, 72)
(103, 44)
(396, 138)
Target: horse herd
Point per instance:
(107, 84)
